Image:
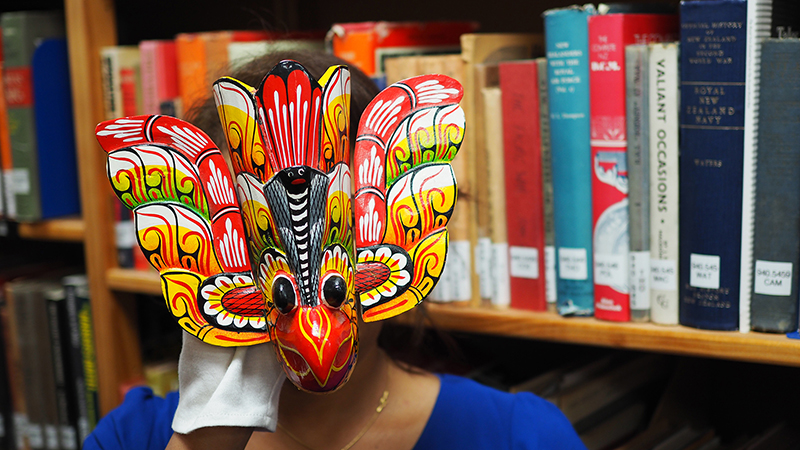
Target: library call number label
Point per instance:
(773, 278)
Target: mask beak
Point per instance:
(317, 347)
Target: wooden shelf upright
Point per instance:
(91, 24)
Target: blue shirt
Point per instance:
(467, 415)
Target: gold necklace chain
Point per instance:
(382, 404)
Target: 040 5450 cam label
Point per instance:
(773, 278)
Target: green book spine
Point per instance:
(21, 32)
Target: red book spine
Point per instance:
(608, 36)
(523, 184)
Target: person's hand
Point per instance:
(227, 387)
(211, 438)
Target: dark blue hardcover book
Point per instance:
(713, 40)
(57, 182)
(567, 44)
(776, 245)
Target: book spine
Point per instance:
(609, 167)
(567, 46)
(112, 94)
(523, 184)
(608, 36)
(759, 22)
(73, 306)
(17, 424)
(88, 356)
(712, 122)
(776, 245)
(493, 119)
(148, 51)
(56, 160)
(551, 293)
(6, 164)
(664, 168)
(191, 56)
(636, 88)
(56, 313)
(168, 94)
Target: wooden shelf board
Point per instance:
(751, 347)
(134, 280)
(67, 229)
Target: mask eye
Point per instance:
(283, 295)
(334, 291)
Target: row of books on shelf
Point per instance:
(625, 175)
(628, 401)
(48, 368)
(37, 137)
(49, 373)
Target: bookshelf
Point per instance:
(92, 24)
(66, 230)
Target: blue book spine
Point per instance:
(713, 40)
(567, 45)
(56, 159)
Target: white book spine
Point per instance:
(759, 22)
(663, 79)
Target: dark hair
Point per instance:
(203, 114)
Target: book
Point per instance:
(122, 80)
(480, 50)
(493, 125)
(159, 74)
(486, 75)
(66, 401)
(202, 58)
(664, 182)
(455, 282)
(712, 146)
(54, 180)
(398, 68)
(36, 361)
(567, 48)
(368, 44)
(82, 363)
(7, 199)
(638, 160)
(617, 427)
(608, 35)
(240, 53)
(551, 293)
(22, 32)
(16, 377)
(776, 242)
(523, 184)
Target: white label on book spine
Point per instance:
(35, 435)
(125, 234)
(663, 275)
(773, 278)
(20, 429)
(610, 269)
(10, 200)
(704, 271)
(69, 437)
(551, 292)
(640, 280)
(51, 436)
(483, 263)
(21, 181)
(458, 264)
(502, 288)
(524, 262)
(573, 264)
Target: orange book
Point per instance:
(367, 44)
(202, 58)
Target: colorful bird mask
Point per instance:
(283, 252)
